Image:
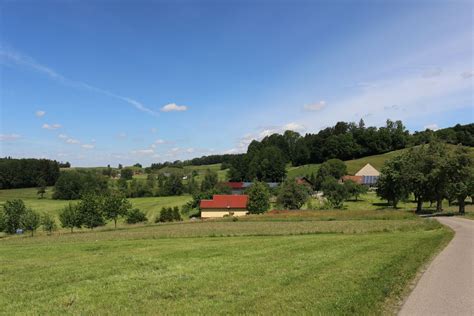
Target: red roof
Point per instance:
(225, 201)
(234, 185)
(356, 179)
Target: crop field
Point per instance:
(348, 265)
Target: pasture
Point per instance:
(351, 263)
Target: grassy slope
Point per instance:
(353, 165)
(153, 269)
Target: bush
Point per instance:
(335, 192)
(259, 198)
(30, 220)
(135, 216)
(292, 195)
(169, 214)
(48, 223)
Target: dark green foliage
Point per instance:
(48, 223)
(71, 185)
(70, 217)
(334, 168)
(126, 174)
(292, 195)
(392, 184)
(24, 173)
(354, 189)
(90, 211)
(335, 192)
(41, 188)
(461, 177)
(115, 205)
(172, 185)
(259, 198)
(135, 216)
(210, 180)
(13, 212)
(30, 220)
(169, 214)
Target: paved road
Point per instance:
(447, 286)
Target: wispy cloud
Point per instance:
(40, 113)
(88, 146)
(143, 152)
(72, 141)
(9, 137)
(173, 107)
(51, 126)
(9, 56)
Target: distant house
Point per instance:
(356, 179)
(240, 187)
(224, 204)
(304, 181)
(369, 174)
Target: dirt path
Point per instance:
(447, 286)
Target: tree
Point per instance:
(71, 185)
(135, 216)
(210, 180)
(392, 184)
(292, 195)
(173, 185)
(334, 168)
(114, 206)
(335, 192)
(176, 214)
(355, 189)
(70, 217)
(126, 174)
(13, 212)
(48, 223)
(41, 188)
(259, 198)
(30, 220)
(461, 177)
(90, 213)
(166, 215)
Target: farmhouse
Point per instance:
(240, 187)
(369, 174)
(221, 205)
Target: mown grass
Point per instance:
(299, 274)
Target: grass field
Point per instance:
(354, 264)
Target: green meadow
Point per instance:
(266, 264)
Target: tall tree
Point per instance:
(392, 184)
(292, 195)
(90, 212)
(70, 217)
(13, 212)
(461, 177)
(115, 205)
(259, 198)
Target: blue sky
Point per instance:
(105, 82)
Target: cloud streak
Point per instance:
(173, 107)
(8, 56)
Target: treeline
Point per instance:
(458, 134)
(204, 160)
(431, 173)
(25, 173)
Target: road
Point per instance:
(447, 286)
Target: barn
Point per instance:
(224, 205)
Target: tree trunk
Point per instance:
(115, 223)
(419, 205)
(439, 205)
(461, 203)
(72, 229)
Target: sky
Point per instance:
(109, 82)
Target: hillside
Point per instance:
(354, 165)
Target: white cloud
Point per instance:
(159, 141)
(62, 136)
(51, 127)
(190, 150)
(173, 107)
(88, 146)
(315, 106)
(72, 141)
(293, 127)
(40, 113)
(9, 137)
(433, 127)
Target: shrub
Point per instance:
(135, 216)
(13, 211)
(69, 217)
(48, 223)
(259, 198)
(292, 195)
(335, 192)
